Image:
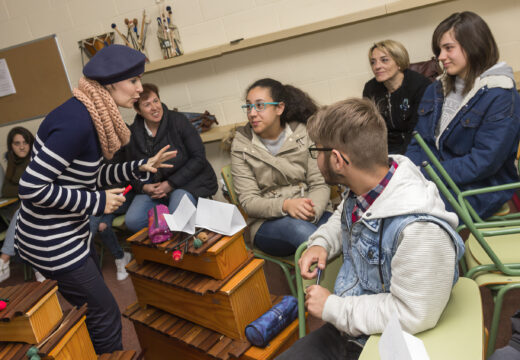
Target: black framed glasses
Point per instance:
(313, 152)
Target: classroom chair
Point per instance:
(285, 263)
(492, 256)
(459, 333)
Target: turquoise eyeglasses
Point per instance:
(260, 106)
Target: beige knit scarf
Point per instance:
(111, 129)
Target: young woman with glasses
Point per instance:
(278, 183)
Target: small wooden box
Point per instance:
(218, 261)
(34, 324)
(239, 301)
(71, 340)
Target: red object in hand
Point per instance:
(127, 190)
(3, 305)
(177, 254)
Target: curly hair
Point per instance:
(299, 106)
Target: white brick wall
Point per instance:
(330, 65)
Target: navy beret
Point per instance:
(114, 63)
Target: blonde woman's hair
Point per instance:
(395, 50)
(354, 126)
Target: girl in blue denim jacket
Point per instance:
(470, 117)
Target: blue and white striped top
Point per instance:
(59, 190)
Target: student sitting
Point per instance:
(20, 142)
(192, 175)
(470, 118)
(396, 90)
(278, 184)
(397, 240)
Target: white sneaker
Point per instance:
(38, 275)
(5, 271)
(120, 266)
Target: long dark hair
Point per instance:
(477, 41)
(19, 130)
(299, 106)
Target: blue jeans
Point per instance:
(136, 217)
(8, 246)
(108, 236)
(282, 236)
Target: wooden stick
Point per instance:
(114, 26)
(141, 42)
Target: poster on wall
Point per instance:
(6, 82)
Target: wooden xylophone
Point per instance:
(121, 355)
(162, 334)
(225, 306)
(68, 340)
(217, 257)
(32, 311)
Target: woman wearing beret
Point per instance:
(59, 189)
(396, 90)
(192, 175)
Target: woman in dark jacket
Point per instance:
(396, 90)
(192, 175)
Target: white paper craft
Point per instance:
(396, 344)
(183, 218)
(219, 217)
(212, 215)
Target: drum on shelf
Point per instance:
(92, 45)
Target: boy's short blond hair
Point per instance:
(355, 127)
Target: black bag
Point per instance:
(429, 68)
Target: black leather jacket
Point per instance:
(399, 109)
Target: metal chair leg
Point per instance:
(496, 316)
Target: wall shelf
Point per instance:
(391, 7)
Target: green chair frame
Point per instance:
(328, 279)
(506, 275)
(285, 263)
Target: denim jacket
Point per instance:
(418, 257)
(479, 146)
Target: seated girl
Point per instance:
(470, 117)
(277, 182)
(192, 175)
(18, 155)
(396, 91)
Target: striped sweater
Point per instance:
(59, 190)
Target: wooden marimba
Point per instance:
(201, 304)
(32, 311)
(217, 257)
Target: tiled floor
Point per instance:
(125, 296)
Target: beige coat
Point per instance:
(263, 181)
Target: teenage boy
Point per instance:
(399, 246)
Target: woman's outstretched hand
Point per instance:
(158, 159)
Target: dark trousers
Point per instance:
(325, 343)
(86, 285)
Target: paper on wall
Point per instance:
(396, 344)
(6, 82)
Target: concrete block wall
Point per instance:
(329, 65)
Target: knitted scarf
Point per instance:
(111, 129)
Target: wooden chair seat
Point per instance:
(459, 334)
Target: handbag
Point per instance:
(158, 230)
(270, 324)
(201, 121)
(429, 68)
